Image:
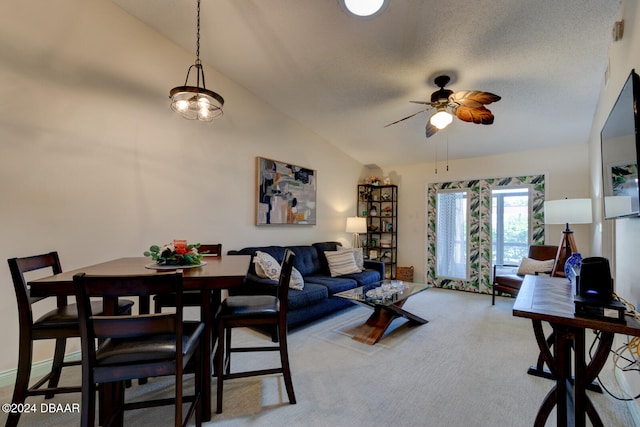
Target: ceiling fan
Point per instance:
(467, 105)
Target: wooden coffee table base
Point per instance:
(378, 323)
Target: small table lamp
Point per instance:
(565, 211)
(356, 225)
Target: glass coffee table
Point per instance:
(386, 299)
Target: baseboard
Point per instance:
(38, 369)
(633, 405)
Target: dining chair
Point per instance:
(190, 298)
(136, 346)
(59, 324)
(250, 311)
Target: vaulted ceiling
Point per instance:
(344, 78)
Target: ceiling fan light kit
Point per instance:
(441, 119)
(364, 8)
(466, 105)
(195, 102)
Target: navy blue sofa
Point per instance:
(316, 299)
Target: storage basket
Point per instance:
(404, 273)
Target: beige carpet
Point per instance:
(466, 367)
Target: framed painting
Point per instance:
(286, 194)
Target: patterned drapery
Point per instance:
(479, 200)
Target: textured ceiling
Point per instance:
(345, 77)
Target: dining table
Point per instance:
(215, 274)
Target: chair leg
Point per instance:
(56, 368)
(220, 363)
(178, 405)
(88, 400)
(22, 377)
(197, 381)
(284, 359)
(119, 392)
(227, 359)
(493, 296)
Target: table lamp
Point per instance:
(356, 225)
(565, 211)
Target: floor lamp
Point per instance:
(565, 211)
(356, 225)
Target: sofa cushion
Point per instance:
(365, 277)
(307, 261)
(310, 295)
(333, 284)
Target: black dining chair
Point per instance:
(136, 346)
(190, 298)
(255, 311)
(59, 324)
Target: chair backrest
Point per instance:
(119, 326)
(20, 266)
(542, 252)
(212, 249)
(283, 282)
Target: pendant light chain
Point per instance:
(199, 70)
(195, 102)
(198, 35)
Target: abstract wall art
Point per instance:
(286, 194)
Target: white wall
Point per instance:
(618, 240)
(95, 165)
(566, 176)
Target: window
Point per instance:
(510, 224)
(452, 230)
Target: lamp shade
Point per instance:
(568, 211)
(356, 224)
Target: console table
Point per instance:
(550, 299)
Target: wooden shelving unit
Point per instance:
(379, 204)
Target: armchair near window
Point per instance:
(506, 278)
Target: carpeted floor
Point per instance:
(466, 367)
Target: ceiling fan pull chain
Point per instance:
(436, 156)
(447, 151)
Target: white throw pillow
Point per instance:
(533, 266)
(296, 281)
(341, 262)
(358, 255)
(268, 268)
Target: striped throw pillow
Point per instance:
(341, 262)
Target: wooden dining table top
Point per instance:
(218, 272)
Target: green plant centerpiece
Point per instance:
(177, 253)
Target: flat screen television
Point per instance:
(620, 149)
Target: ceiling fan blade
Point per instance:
(475, 115)
(423, 102)
(431, 129)
(408, 117)
(474, 98)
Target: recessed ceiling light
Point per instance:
(364, 8)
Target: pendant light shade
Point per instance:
(196, 102)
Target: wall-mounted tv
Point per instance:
(620, 149)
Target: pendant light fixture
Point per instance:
(195, 102)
